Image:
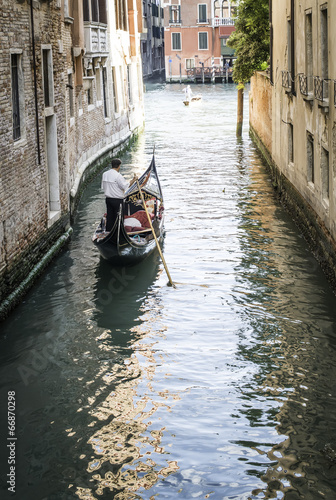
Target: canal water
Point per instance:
(223, 388)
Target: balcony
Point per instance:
(303, 81)
(95, 36)
(321, 91)
(286, 79)
(175, 21)
(305, 87)
(223, 21)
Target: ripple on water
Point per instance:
(222, 388)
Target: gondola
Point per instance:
(195, 98)
(131, 238)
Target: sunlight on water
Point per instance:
(222, 388)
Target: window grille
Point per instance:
(303, 80)
(321, 88)
(286, 79)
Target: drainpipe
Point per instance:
(35, 84)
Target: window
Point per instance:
(310, 157)
(309, 51)
(190, 63)
(122, 83)
(114, 90)
(89, 93)
(80, 104)
(48, 84)
(325, 173)
(202, 13)
(290, 144)
(203, 40)
(176, 41)
(121, 15)
(291, 51)
(175, 14)
(95, 11)
(129, 83)
(104, 75)
(324, 50)
(289, 45)
(70, 92)
(16, 84)
(155, 10)
(98, 84)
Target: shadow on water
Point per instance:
(82, 419)
(291, 350)
(119, 293)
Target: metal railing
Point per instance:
(286, 79)
(303, 81)
(321, 88)
(223, 21)
(175, 21)
(208, 72)
(202, 21)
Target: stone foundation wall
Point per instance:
(310, 225)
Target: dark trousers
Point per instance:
(112, 209)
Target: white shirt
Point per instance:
(113, 184)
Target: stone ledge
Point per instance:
(15, 297)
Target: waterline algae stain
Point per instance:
(128, 389)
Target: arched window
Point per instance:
(217, 8)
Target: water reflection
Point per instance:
(292, 390)
(137, 390)
(122, 439)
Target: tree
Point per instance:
(251, 43)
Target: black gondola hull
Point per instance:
(124, 252)
(121, 248)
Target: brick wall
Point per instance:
(29, 227)
(24, 233)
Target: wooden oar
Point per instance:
(170, 283)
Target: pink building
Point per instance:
(195, 39)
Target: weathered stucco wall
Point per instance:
(292, 195)
(260, 103)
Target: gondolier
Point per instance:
(114, 186)
(133, 236)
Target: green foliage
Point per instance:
(250, 38)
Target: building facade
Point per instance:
(152, 39)
(297, 101)
(195, 39)
(70, 97)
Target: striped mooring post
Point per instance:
(213, 69)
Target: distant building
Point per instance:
(152, 39)
(195, 39)
(70, 97)
(293, 117)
